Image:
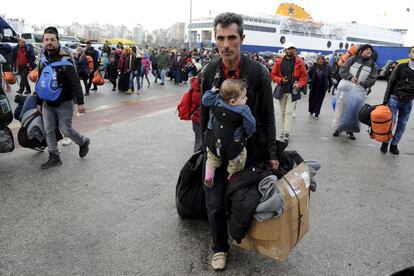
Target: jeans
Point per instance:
(216, 210)
(163, 73)
(132, 75)
(63, 115)
(403, 109)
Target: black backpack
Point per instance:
(6, 113)
(6, 140)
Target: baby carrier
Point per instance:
(219, 140)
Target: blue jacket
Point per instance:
(212, 98)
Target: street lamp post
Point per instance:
(189, 25)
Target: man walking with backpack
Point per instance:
(57, 88)
(94, 54)
(399, 97)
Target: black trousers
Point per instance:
(216, 210)
(24, 83)
(91, 75)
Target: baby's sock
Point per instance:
(209, 176)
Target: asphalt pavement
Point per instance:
(113, 212)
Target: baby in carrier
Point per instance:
(231, 123)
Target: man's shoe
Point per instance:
(27, 92)
(384, 147)
(351, 136)
(87, 94)
(219, 260)
(130, 91)
(53, 161)
(286, 137)
(336, 133)
(19, 91)
(394, 149)
(66, 141)
(162, 83)
(94, 89)
(84, 149)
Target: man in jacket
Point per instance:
(61, 109)
(163, 63)
(24, 60)
(361, 70)
(289, 73)
(399, 97)
(261, 148)
(94, 54)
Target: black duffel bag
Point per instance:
(189, 194)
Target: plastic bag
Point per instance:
(349, 100)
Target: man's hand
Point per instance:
(39, 108)
(81, 108)
(285, 80)
(354, 80)
(273, 164)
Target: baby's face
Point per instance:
(242, 99)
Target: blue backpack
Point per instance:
(47, 87)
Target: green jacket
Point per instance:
(163, 61)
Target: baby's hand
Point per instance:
(214, 89)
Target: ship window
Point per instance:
(341, 45)
(259, 28)
(282, 40)
(346, 46)
(329, 44)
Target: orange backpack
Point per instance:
(90, 63)
(350, 53)
(381, 124)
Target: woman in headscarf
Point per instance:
(320, 78)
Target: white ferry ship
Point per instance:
(293, 24)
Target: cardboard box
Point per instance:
(277, 237)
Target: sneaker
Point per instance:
(351, 136)
(384, 147)
(336, 133)
(53, 161)
(84, 149)
(129, 92)
(219, 260)
(394, 149)
(148, 86)
(66, 141)
(286, 138)
(114, 89)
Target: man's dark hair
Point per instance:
(228, 18)
(52, 30)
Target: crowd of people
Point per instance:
(230, 83)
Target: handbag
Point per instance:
(277, 93)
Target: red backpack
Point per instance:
(184, 107)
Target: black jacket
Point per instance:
(262, 145)
(90, 51)
(242, 198)
(68, 80)
(401, 84)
